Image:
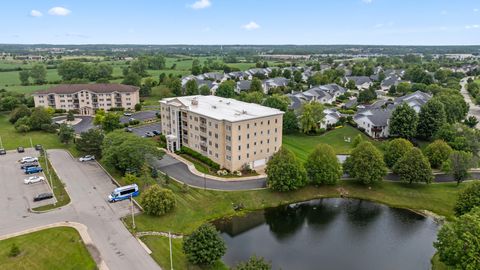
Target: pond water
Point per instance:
(332, 234)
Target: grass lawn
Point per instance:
(161, 250)
(437, 264)
(197, 206)
(302, 145)
(12, 139)
(38, 251)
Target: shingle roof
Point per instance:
(96, 88)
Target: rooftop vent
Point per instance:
(195, 101)
(228, 103)
(244, 112)
(214, 107)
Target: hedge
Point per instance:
(200, 157)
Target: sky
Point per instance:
(371, 22)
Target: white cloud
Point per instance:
(251, 26)
(200, 4)
(475, 10)
(59, 11)
(367, 1)
(472, 26)
(35, 13)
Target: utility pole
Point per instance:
(170, 244)
(31, 143)
(133, 216)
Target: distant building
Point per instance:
(232, 133)
(86, 98)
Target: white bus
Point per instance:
(123, 193)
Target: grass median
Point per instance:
(37, 251)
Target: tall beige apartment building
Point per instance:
(86, 98)
(230, 132)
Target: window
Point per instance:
(239, 148)
(276, 120)
(248, 155)
(216, 135)
(228, 147)
(268, 122)
(216, 145)
(229, 128)
(239, 127)
(216, 155)
(216, 125)
(261, 123)
(239, 157)
(268, 140)
(248, 146)
(248, 125)
(255, 124)
(229, 158)
(210, 133)
(248, 136)
(228, 138)
(239, 137)
(275, 130)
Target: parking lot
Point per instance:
(140, 130)
(141, 116)
(17, 196)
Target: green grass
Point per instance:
(27, 89)
(302, 145)
(12, 77)
(39, 252)
(437, 264)
(58, 188)
(197, 206)
(12, 139)
(161, 250)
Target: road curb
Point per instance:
(79, 227)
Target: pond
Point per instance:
(332, 234)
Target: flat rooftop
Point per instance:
(220, 108)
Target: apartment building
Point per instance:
(86, 98)
(230, 132)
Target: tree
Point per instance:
(226, 89)
(456, 108)
(290, 122)
(132, 78)
(9, 103)
(256, 85)
(204, 90)
(431, 118)
(311, 115)
(468, 199)
(287, 73)
(66, 133)
(285, 172)
(204, 246)
(70, 116)
(139, 67)
(100, 71)
(176, 86)
(254, 263)
(90, 142)
(196, 67)
(70, 70)
(471, 121)
(110, 122)
(157, 201)
(437, 153)
(24, 77)
(23, 124)
(127, 152)
(457, 242)
(367, 95)
(146, 88)
(191, 88)
(413, 167)
(322, 166)
(366, 164)
(403, 122)
(38, 74)
(18, 113)
(395, 150)
(277, 101)
(39, 117)
(297, 76)
(459, 164)
(138, 107)
(351, 85)
(357, 140)
(251, 97)
(99, 117)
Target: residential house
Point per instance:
(273, 83)
(361, 82)
(243, 86)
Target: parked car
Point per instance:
(131, 119)
(38, 147)
(31, 170)
(3, 152)
(149, 134)
(28, 159)
(20, 149)
(127, 113)
(28, 165)
(42, 196)
(156, 132)
(87, 158)
(128, 129)
(33, 179)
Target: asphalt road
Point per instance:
(84, 125)
(140, 130)
(474, 110)
(88, 186)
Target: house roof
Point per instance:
(244, 85)
(378, 117)
(95, 87)
(359, 80)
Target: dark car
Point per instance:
(28, 165)
(3, 152)
(42, 196)
(156, 132)
(38, 147)
(20, 149)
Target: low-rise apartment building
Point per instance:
(86, 98)
(232, 133)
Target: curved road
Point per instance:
(473, 110)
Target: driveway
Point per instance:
(84, 125)
(88, 186)
(142, 116)
(474, 110)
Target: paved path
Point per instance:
(88, 186)
(474, 110)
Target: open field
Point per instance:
(302, 145)
(38, 251)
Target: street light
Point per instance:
(133, 216)
(204, 182)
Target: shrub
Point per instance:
(204, 246)
(199, 157)
(14, 251)
(157, 201)
(116, 109)
(468, 199)
(254, 263)
(437, 153)
(130, 179)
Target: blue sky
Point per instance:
(383, 22)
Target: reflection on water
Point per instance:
(332, 234)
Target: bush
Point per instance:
(468, 199)
(204, 246)
(130, 179)
(254, 263)
(194, 154)
(134, 122)
(14, 251)
(157, 201)
(437, 153)
(138, 107)
(116, 109)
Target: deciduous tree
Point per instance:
(204, 246)
(366, 164)
(90, 142)
(468, 199)
(322, 166)
(413, 167)
(157, 201)
(403, 122)
(285, 172)
(431, 118)
(437, 153)
(395, 150)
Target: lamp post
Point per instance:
(133, 216)
(204, 182)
